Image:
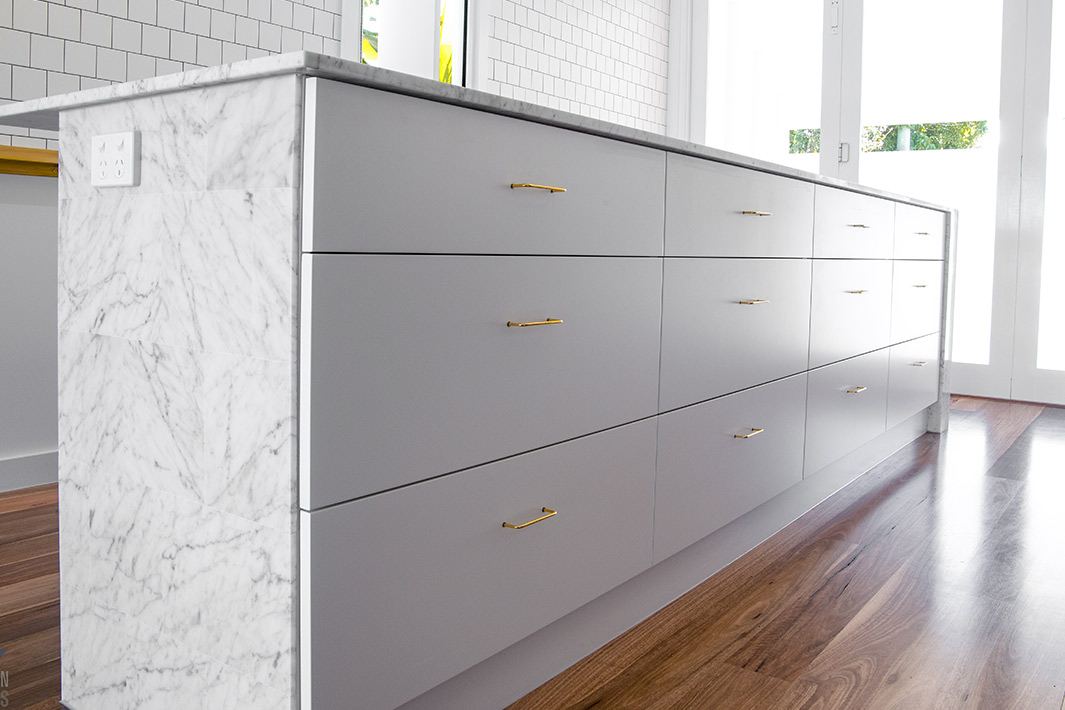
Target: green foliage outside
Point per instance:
(959, 135)
(369, 31)
(446, 50)
(805, 140)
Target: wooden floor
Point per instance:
(29, 598)
(935, 581)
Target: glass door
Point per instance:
(1039, 342)
(764, 79)
(930, 129)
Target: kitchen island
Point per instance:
(378, 392)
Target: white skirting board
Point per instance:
(510, 674)
(27, 471)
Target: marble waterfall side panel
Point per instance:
(177, 403)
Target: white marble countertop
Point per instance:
(44, 113)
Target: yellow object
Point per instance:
(538, 187)
(550, 513)
(549, 321)
(15, 160)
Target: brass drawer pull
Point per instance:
(857, 390)
(549, 321)
(549, 188)
(755, 302)
(754, 432)
(756, 213)
(921, 363)
(923, 234)
(920, 285)
(860, 226)
(550, 513)
(859, 291)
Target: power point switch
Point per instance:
(116, 159)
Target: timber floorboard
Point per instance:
(936, 580)
(29, 598)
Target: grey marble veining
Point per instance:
(132, 409)
(174, 267)
(177, 316)
(44, 113)
(249, 439)
(113, 675)
(202, 138)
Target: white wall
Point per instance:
(28, 213)
(50, 47)
(606, 59)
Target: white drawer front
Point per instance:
(410, 587)
(720, 210)
(913, 383)
(853, 226)
(437, 178)
(728, 324)
(916, 294)
(846, 406)
(409, 369)
(851, 309)
(708, 477)
(919, 232)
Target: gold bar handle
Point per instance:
(920, 363)
(862, 290)
(549, 321)
(755, 302)
(857, 390)
(754, 432)
(920, 285)
(549, 188)
(860, 226)
(756, 213)
(550, 514)
(923, 234)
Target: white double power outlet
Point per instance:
(116, 159)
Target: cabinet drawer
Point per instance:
(720, 210)
(448, 585)
(708, 476)
(728, 324)
(851, 309)
(437, 178)
(919, 232)
(409, 370)
(846, 406)
(916, 294)
(913, 382)
(853, 226)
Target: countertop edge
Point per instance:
(44, 113)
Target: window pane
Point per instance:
(370, 31)
(1051, 353)
(420, 37)
(764, 79)
(930, 100)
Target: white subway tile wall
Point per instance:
(605, 59)
(50, 47)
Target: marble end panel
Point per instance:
(250, 447)
(111, 661)
(213, 271)
(133, 409)
(219, 585)
(242, 135)
(215, 429)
